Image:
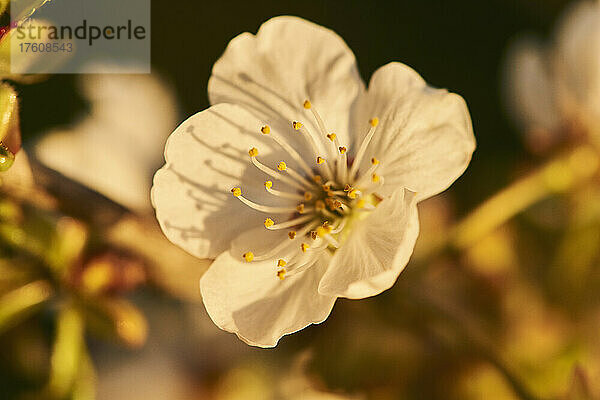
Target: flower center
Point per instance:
(330, 192)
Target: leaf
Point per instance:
(66, 352)
(10, 135)
(20, 303)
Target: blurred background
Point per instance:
(96, 304)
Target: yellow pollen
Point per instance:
(281, 262)
(269, 184)
(347, 188)
(253, 152)
(374, 161)
(281, 274)
(307, 104)
(360, 203)
(374, 122)
(342, 150)
(375, 178)
(292, 234)
(297, 125)
(320, 160)
(313, 235)
(323, 230)
(265, 130)
(282, 166)
(249, 256)
(269, 223)
(307, 196)
(237, 192)
(319, 205)
(353, 193)
(304, 247)
(331, 136)
(300, 208)
(317, 178)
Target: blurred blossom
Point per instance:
(553, 90)
(350, 166)
(117, 146)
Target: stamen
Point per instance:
(292, 234)
(304, 247)
(293, 196)
(276, 175)
(308, 196)
(291, 223)
(288, 149)
(307, 105)
(375, 178)
(281, 274)
(269, 223)
(281, 262)
(342, 150)
(363, 148)
(253, 152)
(237, 192)
(248, 256)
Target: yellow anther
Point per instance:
(331, 136)
(253, 152)
(282, 166)
(360, 203)
(320, 160)
(265, 130)
(337, 204)
(269, 223)
(281, 262)
(319, 205)
(326, 188)
(307, 104)
(269, 184)
(342, 150)
(313, 235)
(353, 193)
(292, 234)
(304, 247)
(297, 125)
(317, 178)
(374, 161)
(375, 178)
(374, 121)
(249, 256)
(347, 188)
(300, 208)
(237, 192)
(281, 274)
(307, 196)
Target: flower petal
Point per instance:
(249, 300)
(377, 250)
(425, 137)
(288, 61)
(530, 93)
(207, 156)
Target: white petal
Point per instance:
(249, 300)
(288, 61)
(207, 156)
(577, 62)
(530, 93)
(117, 148)
(377, 250)
(425, 137)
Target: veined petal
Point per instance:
(249, 300)
(377, 250)
(207, 156)
(425, 137)
(288, 61)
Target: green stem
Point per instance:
(557, 176)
